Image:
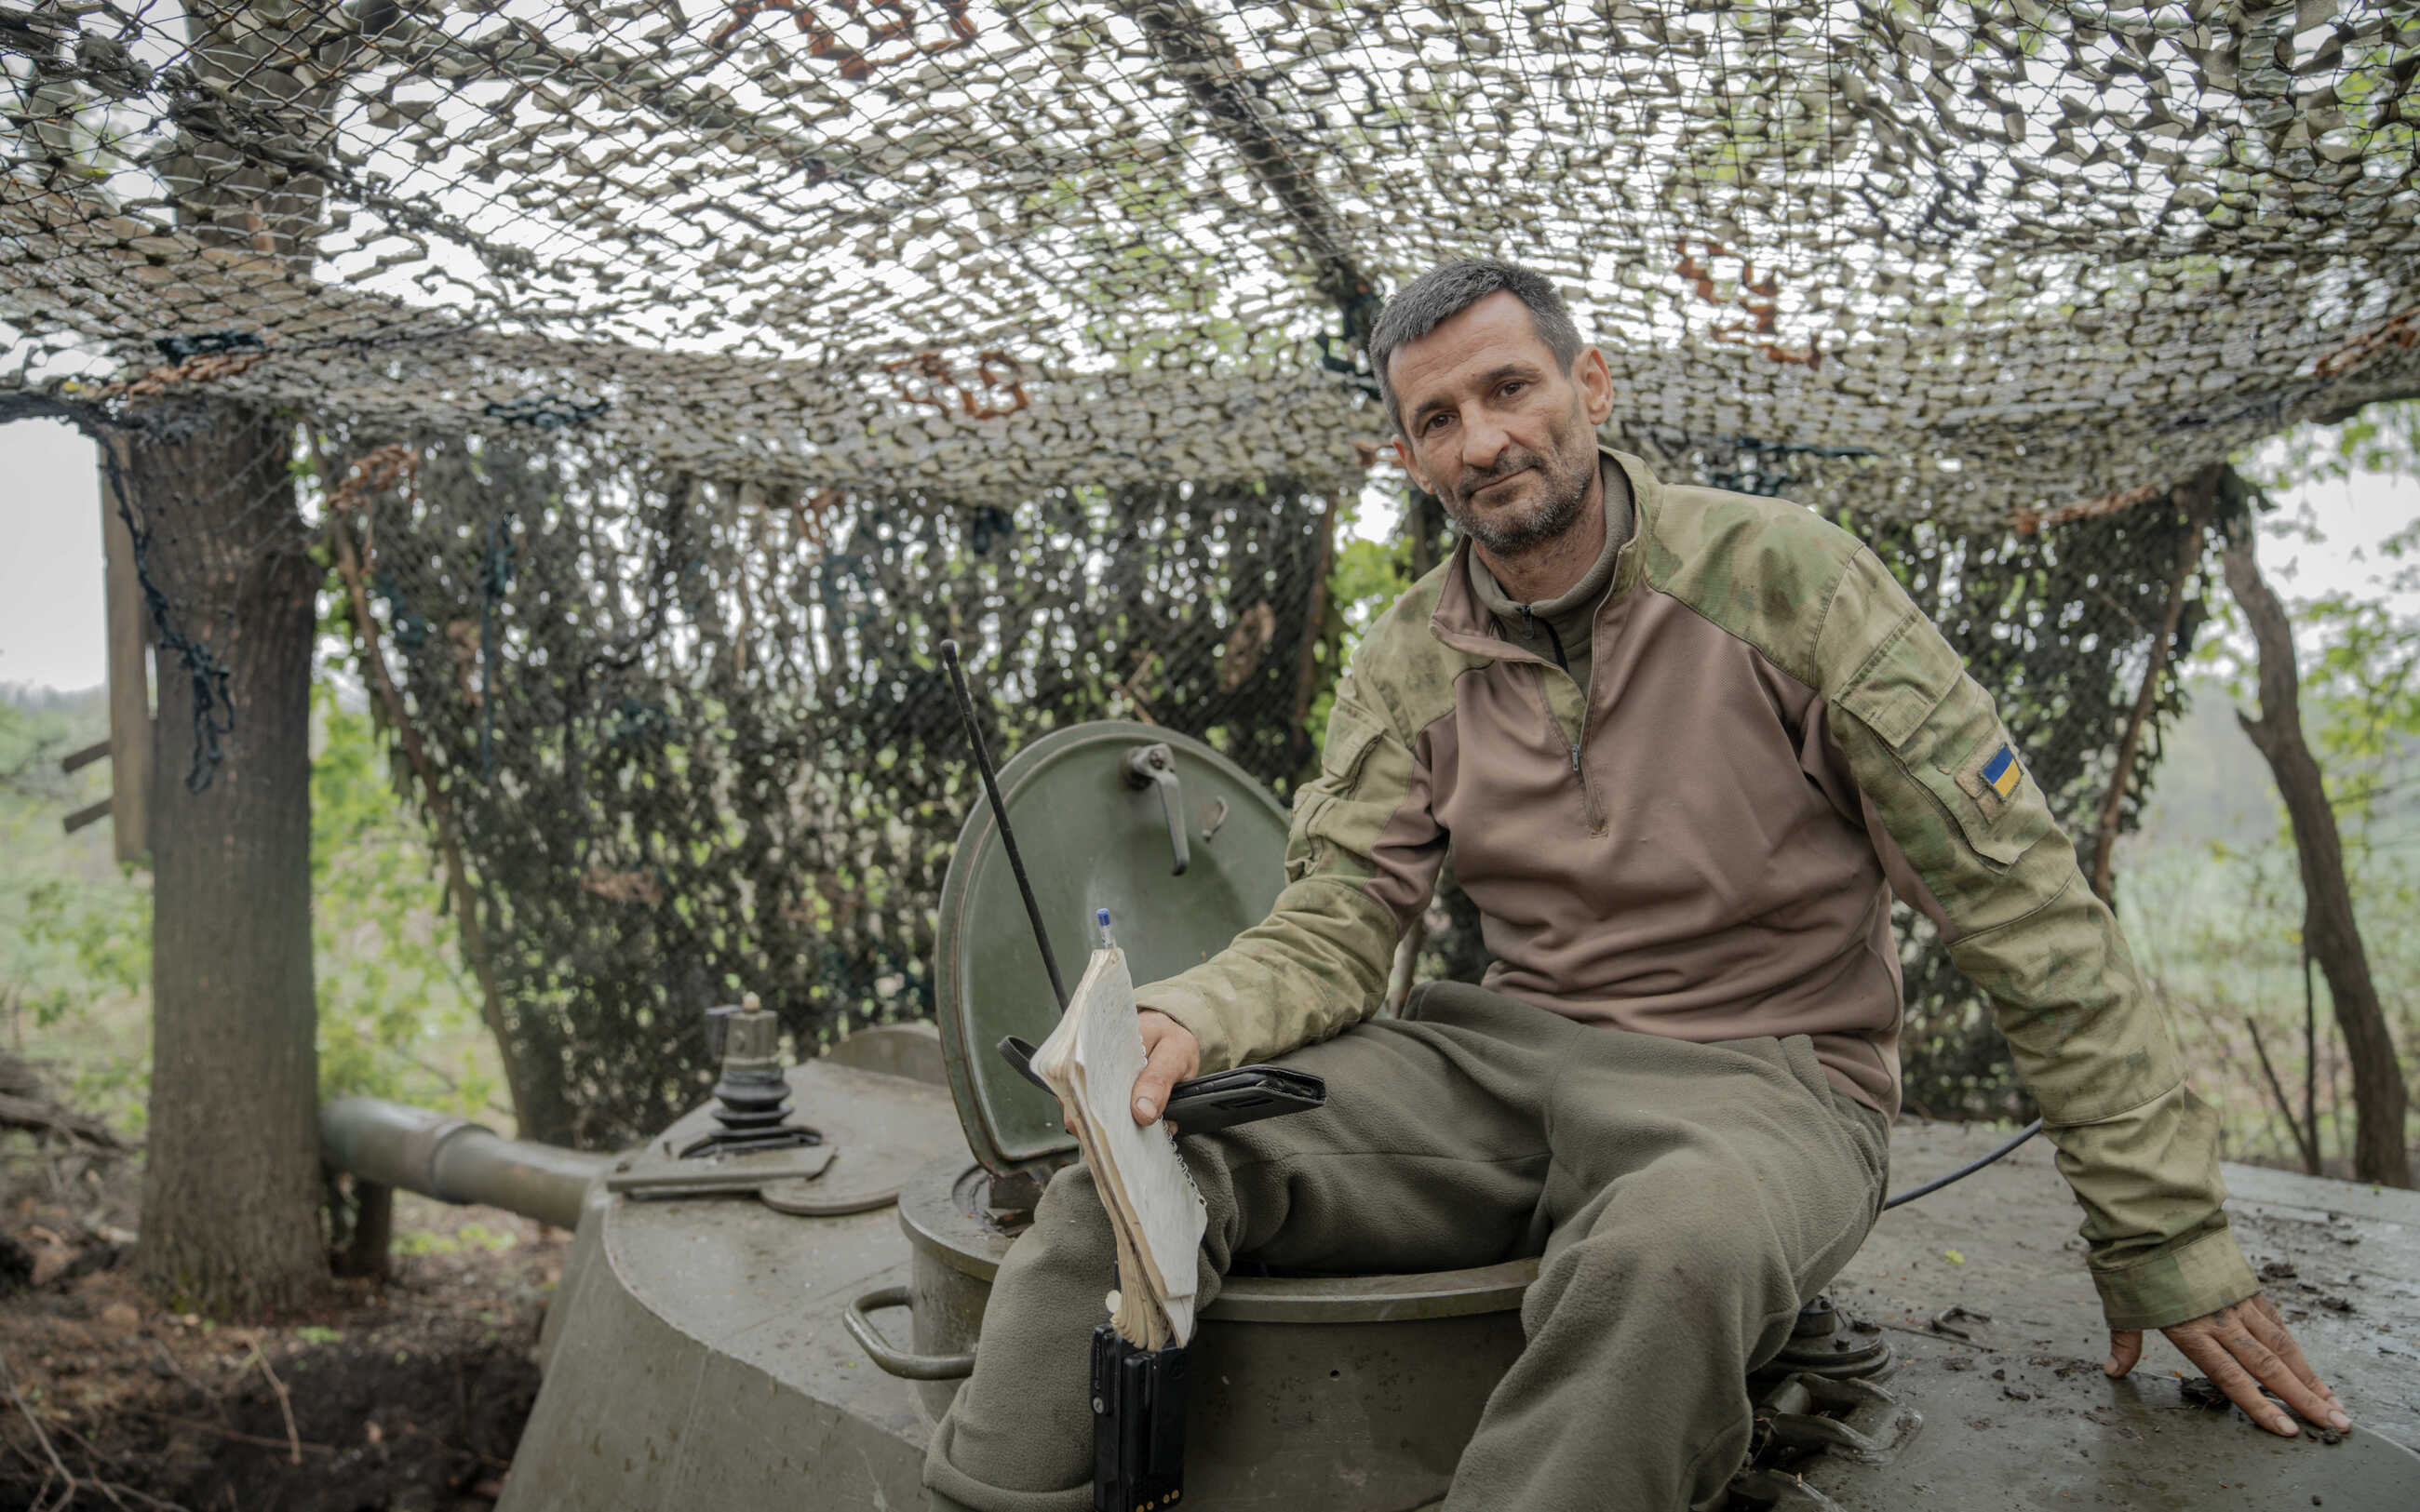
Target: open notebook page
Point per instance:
(1092, 1058)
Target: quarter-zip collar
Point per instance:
(1461, 622)
(1568, 619)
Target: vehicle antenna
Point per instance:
(1000, 814)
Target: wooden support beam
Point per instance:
(76, 761)
(129, 674)
(90, 814)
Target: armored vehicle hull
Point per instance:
(701, 1346)
(771, 1319)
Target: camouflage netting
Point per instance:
(2027, 252)
(697, 750)
(678, 370)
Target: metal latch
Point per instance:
(1155, 767)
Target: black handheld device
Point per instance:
(1137, 1425)
(1221, 1100)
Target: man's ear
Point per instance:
(1596, 382)
(1404, 455)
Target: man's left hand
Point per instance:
(2242, 1347)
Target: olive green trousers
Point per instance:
(1684, 1199)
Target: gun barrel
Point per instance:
(454, 1159)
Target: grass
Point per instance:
(2217, 932)
(2209, 894)
(395, 1019)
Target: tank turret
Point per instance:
(775, 1298)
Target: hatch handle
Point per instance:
(1155, 767)
(897, 1362)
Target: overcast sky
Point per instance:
(50, 623)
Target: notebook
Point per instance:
(1090, 1061)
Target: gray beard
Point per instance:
(1518, 536)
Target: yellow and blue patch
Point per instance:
(2001, 772)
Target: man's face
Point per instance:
(1496, 428)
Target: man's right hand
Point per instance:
(1171, 1055)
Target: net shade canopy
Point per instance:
(1967, 260)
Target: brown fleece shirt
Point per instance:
(1568, 619)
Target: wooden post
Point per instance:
(366, 1249)
(130, 672)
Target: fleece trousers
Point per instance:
(1684, 1199)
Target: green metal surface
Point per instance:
(696, 1352)
(695, 1355)
(2017, 1413)
(1090, 840)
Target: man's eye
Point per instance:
(1434, 420)
(1512, 387)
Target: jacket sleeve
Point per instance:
(2000, 881)
(1363, 855)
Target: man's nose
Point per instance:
(1483, 443)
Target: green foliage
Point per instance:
(471, 1236)
(1364, 581)
(75, 926)
(75, 931)
(2381, 439)
(2359, 659)
(101, 940)
(391, 997)
(2217, 929)
(2364, 683)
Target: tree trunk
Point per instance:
(231, 1183)
(2329, 931)
(231, 1188)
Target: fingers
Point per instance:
(2201, 1343)
(1161, 1071)
(2240, 1364)
(2125, 1349)
(2271, 1329)
(1171, 1055)
(2318, 1402)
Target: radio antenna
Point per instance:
(999, 815)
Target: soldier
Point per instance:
(1684, 747)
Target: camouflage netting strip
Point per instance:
(2029, 254)
(698, 741)
(681, 371)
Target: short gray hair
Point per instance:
(1438, 295)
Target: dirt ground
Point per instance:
(405, 1395)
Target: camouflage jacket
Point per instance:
(1704, 842)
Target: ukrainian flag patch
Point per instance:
(2001, 772)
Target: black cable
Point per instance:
(1964, 1171)
(1000, 814)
